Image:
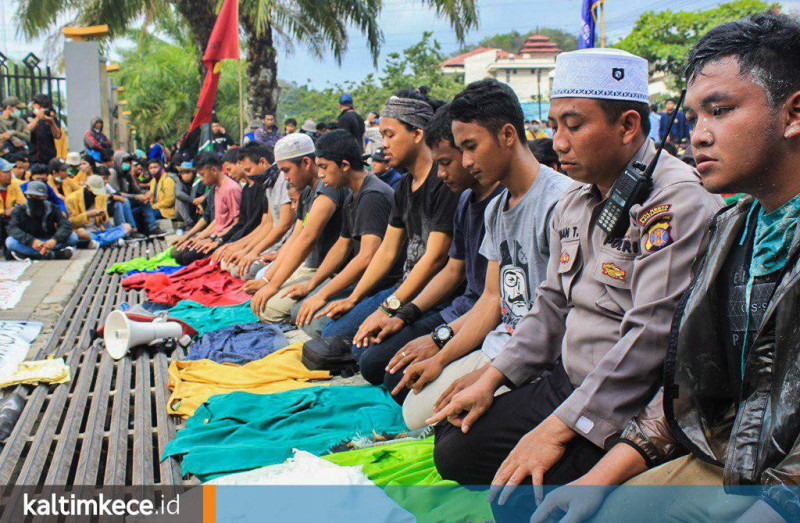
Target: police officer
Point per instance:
(588, 355)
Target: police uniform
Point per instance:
(592, 347)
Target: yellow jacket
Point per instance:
(164, 195)
(14, 195)
(51, 181)
(76, 209)
(72, 184)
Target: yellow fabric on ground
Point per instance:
(39, 371)
(193, 382)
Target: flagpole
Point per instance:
(241, 106)
(602, 24)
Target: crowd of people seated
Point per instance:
(493, 277)
(486, 281)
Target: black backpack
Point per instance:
(332, 353)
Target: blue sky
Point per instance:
(404, 21)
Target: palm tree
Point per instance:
(319, 25)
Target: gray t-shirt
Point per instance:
(519, 240)
(278, 196)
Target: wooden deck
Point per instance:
(109, 424)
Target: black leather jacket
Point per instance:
(757, 441)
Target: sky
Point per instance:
(403, 23)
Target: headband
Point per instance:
(415, 113)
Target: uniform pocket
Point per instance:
(569, 264)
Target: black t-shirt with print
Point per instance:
(334, 226)
(428, 209)
(738, 323)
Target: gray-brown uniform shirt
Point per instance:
(606, 309)
(17, 128)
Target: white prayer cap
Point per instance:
(293, 146)
(609, 74)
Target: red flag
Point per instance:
(222, 44)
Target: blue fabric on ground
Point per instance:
(164, 270)
(238, 344)
(242, 431)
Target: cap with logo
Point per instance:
(96, 184)
(55, 165)
(73, 159)
(346, 99)
(5, 165)
(36, 188)
(608, 74)
(294, 146)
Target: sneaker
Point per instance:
(136, 236)
(93, 244)
(156, 232)
(18, 256)
(120, 243)
(63, 254)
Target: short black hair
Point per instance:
(90, 160)
(154, 160)
(766, 45)
(543, 150)
(616, 108)
(233, 155)
(322, 126)
(440, 127)
(490, 104)
(39, 168)
(253, 151)
(207, 159)
(290, 121)
(42, 100)
(338, 146)
(103, 171)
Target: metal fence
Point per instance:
(30, 78)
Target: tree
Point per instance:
(415, 66)
(512, 41)
(320, 26)
(162, 86)
(664, 38)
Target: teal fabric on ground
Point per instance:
(164, 259)
(206, 319)
(241, 431)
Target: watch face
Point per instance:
(443, 332)
(393, 303)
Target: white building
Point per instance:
(529, 72)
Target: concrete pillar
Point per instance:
(87, 84)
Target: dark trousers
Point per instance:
(188, 256)
(3, 235)
(474, 458)
(373, 360)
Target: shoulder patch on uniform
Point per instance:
(612, 270)
(658, 236)
(652, 212)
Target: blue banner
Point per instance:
(586, 37)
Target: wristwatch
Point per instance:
(442, 334)
(391, 305)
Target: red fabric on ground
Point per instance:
(202, 281)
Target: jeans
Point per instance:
(145, 213)
(347, 326)
(123, 214)
(373, 359)
(108, 236)
(25, 250)
(317, 325)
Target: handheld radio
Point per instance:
(632, 188)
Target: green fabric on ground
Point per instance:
(206, 319)
(408, 474)
(142, 263)
(241, 431)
